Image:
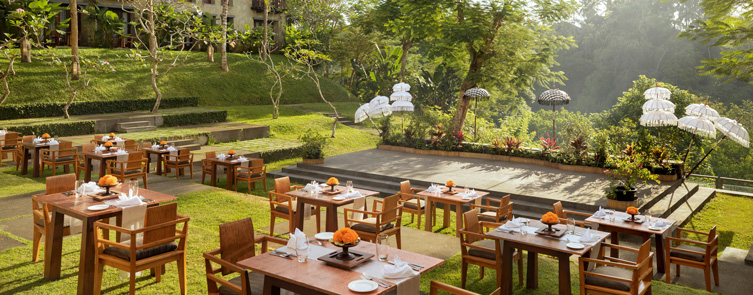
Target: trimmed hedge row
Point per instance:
(56, 129)
(282, 154)
(55, 109)
(184, 119)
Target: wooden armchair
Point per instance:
(97, 138)
(497, 214)
(703, 256)
(237, 242)
(184, 159)
(159, 246)
(130, 145)
(476, 249)
(411, 202)
(20, 150)
(385, 221)
(133, 168)
(64, 156)
(42, 214)
(435, 287)
(257, 171)
(284, 206)
(206, 167)
(562, 214)
(618, 276)
(81, 159)
(9, 146)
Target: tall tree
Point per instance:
(265, 33)
(320, 20)
(74, 42)
(223, 45)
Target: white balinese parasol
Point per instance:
(702, 110)
(402, 106)
(731, 129)
(657, 93)
(658, 105)
(401, 96)
(698, 126)
(362, 113)
(381, 110)
(379, 100)
(476, 93)
(658, 118)
(554, 97)
(401, 87)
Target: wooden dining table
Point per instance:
(62, 205)
(447, 198)
(316, 277)
(230, 164)
(102, 141)
(537, 244)
(324, 200)
(619, 225)
(37, 147)
(160, 161)
(102, 157)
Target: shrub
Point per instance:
(54, 109)
(183, 119)
(59, 129)
(313, 145)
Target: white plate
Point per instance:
(324, 236)
(362, 286)
(576, 246)
(653, 227)
(324, 185)
(339, 198)
(97, 207)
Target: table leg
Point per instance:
(615, 239)
(102, 167)
(564, 262)
(269, 287)
(53, 247)
(36, 163)
(214, 174)
(506, 287)
(532, 272)
(458, 220)
(660, 260)
(446, 222)
(428, 216)
(25, 164)
(331, 225)
(159, 164)
(86, 258)
(230, 177)
(88, 171)
(299, 218)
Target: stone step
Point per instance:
(685, 211)
(120, 126)
(193, 146)
(137, 129)
(670, 200)
(181, 142)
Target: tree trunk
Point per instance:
(223, 48)
(465, 102)
(154, 87)
(404, 58)
(5, 79)
(265, 37)
(153, 54)
(210, 53)
(68, 105)
(74, 43)
(25, 50)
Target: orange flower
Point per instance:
(333, 181)
(108, 144)
(632, 210)
(550, 217)
(112, 134)
(450, 183)
(345, 235)
(163, 142)
(108, 180)
(45, 135)
(231, 152)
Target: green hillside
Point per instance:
(246, 82)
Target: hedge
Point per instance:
(281, 154)
(194, 118)
(54, 109)
(56, 129)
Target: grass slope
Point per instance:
(246, 83)
(731, 215)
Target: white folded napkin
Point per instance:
(513, 224)
(432, 189)
(171, 148)
(106, 137)
(312, 187)
(126, 201)
(222, 156)
(37, 140)
(354, 195)
(3, 132)
(600, 212)
(89, 188)
(53, 141)
(297, 240)
(660, 223)
(587, 236)
(155, 146)
(118, 139)
(400, 270)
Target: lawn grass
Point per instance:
(731, 215)
(246, 83)
(13, 185)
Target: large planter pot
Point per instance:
(313, 161)
(621, 205)
(624, 194)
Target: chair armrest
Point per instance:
(578, 213)
(679, 230)
(439, 286)
(487, 224)
(415, 190)
(605, 262)
(212, 256)
(295, 187)
(490, 208)
(619, 247)
(683, 240)
(272, 239)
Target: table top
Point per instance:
(36, 145)
(102, 141)
(319, 276)
(228, 161)
(327, 198)
(444, 196)
(76, 207)
(157, 151)
(103, 155)
(619, 222)
(555, 244)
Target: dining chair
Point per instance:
(703, 256)
(65, 155)
(380, 221)
(617, 276)
(476, 249)
(206, 167)
(42, 212)
(498, 214)
(20, 150)
(257, 171)
(81, 159)
(130, 145)
(237, 242)
(159, 246)
(97, 138)
(135, 167)
(436, 286)
(562, 214)
(184, 159)
(146, 145)
(9, 147)
(411, 202)
(285, 206)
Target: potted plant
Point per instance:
(313, 147)
(624, 176)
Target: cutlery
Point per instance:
(380, 283)
(413, 266)
(281, 254)
(319, 242)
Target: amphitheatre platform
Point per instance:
(533, 188)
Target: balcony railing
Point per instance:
(275, 6)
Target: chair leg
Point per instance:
(182, 274)
(37, 243)
(272, 226)
(715, 268)
(707, 277)
(145, 183)
(419, 219)
(520, 269)
(318, 219)
(203, 176)
(157, 273)
(481, 272)
(397, 238)
(265, 184)
(191, 169)
(99, 268)
(667, 268)
(249, 188)
(463, 274)
(132, 283)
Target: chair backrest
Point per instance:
(405, 187)
(184, 154)
(11, 139)
(27, 138)
(60, 183)
(390, 203)
(66, 149)
(282, 185)
(559, 211)
(210, 155)
(257, 167)
(470, 223)
(134, 156)
(236, 241)
(98, 136)
(504, 201)
(130, 144)
(158, 215)
(712, 234)
(88, 147)
(644, 253)
(146, 144)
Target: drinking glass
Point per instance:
(383, 249)
(571, 226)
(466, 190)
(349, 186)
(303, 253)
(77, 190)
(648, 219)
(133, 187)
(524, 228)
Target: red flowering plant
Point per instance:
(626, 172)
(548, 144)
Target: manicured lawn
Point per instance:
(731, 215)
(13, 185)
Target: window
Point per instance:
(207, 1)
(230, 21)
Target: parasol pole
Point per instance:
(554, 117)
(704, 157)
(688, 151)
(475, 115)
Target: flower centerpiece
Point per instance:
(345, 238)
(162, 144)
(449, 184)
(46, 137)
(230, 153)
(112, 135)
(632, 211)
(313, 147)
(332, 182)
(107, 182)
(108, 145)
(624, 175)
(550, 219)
